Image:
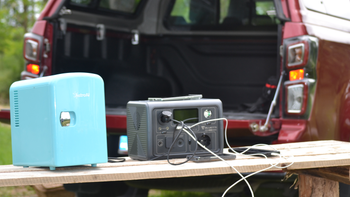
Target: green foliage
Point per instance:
(16, 17)
(18, 191)
(5, 144)
(165, 193)
(182, 8)
(3, 32)
(83, 2)
(19, 13)
(11, 61)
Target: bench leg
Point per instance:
(311, 186)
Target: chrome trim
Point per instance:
(43, 71)
(135, 37)
(65, 119)
(311, 84)
(64, 11)
(101, 31)
(63, 25)
(27, 75)
(302, 56)
(33, 45)
(298, 85)
(40, 45)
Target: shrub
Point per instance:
(11, 62)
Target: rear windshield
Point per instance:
(221, 15)
(108, 6)
(81, 2)
(128, 6)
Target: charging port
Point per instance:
(204, 139)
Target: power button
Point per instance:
(207, 113)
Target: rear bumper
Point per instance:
(116, 123)
(290, 130)
(5, 116)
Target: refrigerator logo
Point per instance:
(76, 95)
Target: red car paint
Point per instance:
(292, 29)
(330, 115)
(5, 114)
(50, 8)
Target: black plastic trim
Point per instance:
(279, 11)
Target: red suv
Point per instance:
(280, 67)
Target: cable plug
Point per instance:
(165, 116)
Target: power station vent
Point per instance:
(16, 107)
(135, 117)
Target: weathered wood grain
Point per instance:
(305, 155)
(310, 186)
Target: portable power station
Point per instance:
(150, 136)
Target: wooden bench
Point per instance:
(321, 165)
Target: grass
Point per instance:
(5, 144)
(5, 159)
(165, 193)
(18, 191)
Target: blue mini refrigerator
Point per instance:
(58, 121)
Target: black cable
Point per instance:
(173, 143)
(176, 138)
(194, 135)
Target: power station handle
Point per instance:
(178, 98)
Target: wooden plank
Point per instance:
(305, 155)
(310, 186)
(122, 172)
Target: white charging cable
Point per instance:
(272, 165)
(217, 156)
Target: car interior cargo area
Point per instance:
(230, 61)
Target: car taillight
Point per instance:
(296, 97)
(296, 74)
(300, 63)
(32, 53)
(33, 68)
(297, 54)
(31, 49)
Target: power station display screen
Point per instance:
(184, 114)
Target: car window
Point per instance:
(220, 14)
(81, 2)
(264, 13)
(128, 6)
